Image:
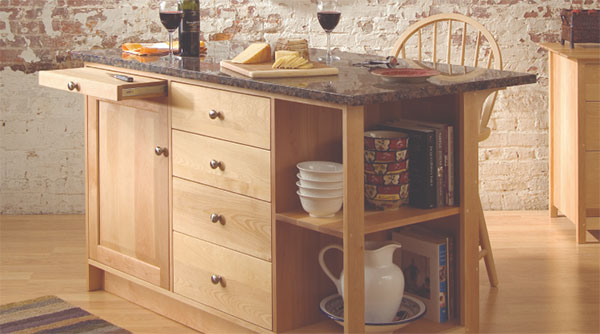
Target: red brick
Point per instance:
(10, 56)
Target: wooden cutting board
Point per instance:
(265, 70)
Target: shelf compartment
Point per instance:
(419, 326)
(375, 221)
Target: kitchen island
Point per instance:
(191, 203)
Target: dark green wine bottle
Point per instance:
(189, 30)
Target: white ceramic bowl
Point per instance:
(320, 192)
(320, 206)
(410, 310)
(321, 170)
(319, 184)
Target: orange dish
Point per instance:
(143, 49)
(148, 48)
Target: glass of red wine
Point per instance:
(170, 15)
(328, 14)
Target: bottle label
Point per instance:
(190, 21)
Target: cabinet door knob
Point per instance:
(161, 150)
(217, 218)
(216, 279)
(72, 85)
(213, 114)
(214, 164)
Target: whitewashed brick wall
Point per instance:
(41, 130)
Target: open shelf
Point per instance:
(419, 326)
(375, 221)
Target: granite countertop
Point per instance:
(352, 86)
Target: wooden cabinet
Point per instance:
(192, 208)
(129, 230)
(574, 136)
(127, 182)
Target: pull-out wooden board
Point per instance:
(100, 83)
(265, 70)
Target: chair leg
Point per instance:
(486, 249)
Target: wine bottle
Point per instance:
(189, 30)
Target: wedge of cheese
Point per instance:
(291, 61)
(283, 53)
(254, 54)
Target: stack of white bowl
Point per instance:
(320, 187)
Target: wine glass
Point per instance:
(328, 14)
(170, 15)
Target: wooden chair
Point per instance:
(461, 26)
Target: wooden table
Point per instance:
(575, 136)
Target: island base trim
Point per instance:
(170, 305)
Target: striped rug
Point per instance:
(51, 315)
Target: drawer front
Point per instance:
(592, 82)
(245, 287)
(99, 83)
(592, 179)
(232, 116)
(240, 223)
(592, 126)
(242, 169)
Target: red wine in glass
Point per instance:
(328, 14)
(328, 20)
(171, 19)
(170, 15)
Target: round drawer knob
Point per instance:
(161, 150)
(214, 164)
(217, 218)
(72, 85)
(216, 279)
(213, 114)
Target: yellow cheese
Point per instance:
(283, 53)
(254, 54)
(291, 61)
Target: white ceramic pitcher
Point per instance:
(384, 281)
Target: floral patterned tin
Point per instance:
(386, 168)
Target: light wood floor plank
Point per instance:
(548, 283)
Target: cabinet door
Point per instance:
(128, 187)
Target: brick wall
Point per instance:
(41, 130)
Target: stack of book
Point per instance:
(431, 169)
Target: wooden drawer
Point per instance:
(96, 82)
(241, 118)
(592, 126)
(243, 169)
(591, 81)
(245, 288)
(592, 180)
(244, 223)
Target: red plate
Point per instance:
(404, 74)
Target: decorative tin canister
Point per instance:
(386, 168)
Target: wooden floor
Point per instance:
(548, 283)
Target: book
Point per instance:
(451, 262)
(450, 171)
(444, 160)
(421, 167)
(424, 261)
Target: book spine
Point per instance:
(439, 168)
(445, 171)
(451, 201)
(443, 272)
(430, 190)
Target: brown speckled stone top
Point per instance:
(353, 86)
